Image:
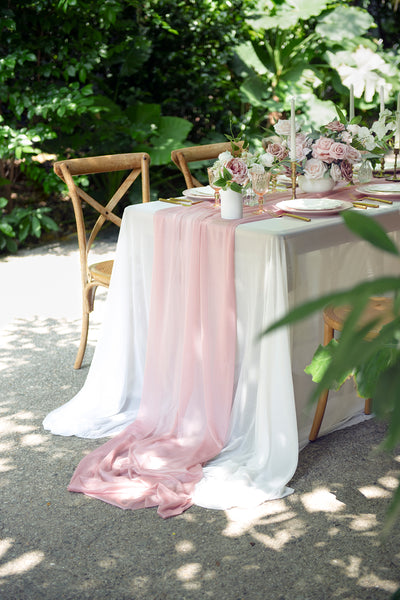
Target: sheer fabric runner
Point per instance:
(185, 409)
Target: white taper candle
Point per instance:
(351, 107)
(382, 100)
(292, 131)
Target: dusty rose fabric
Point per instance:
(189, 373)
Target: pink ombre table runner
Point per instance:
(187, 395)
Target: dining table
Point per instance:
(278, 262)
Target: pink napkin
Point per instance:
(185, 409)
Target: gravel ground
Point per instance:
(323, 541)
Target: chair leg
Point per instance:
(83, 342)
(368, 406)
(323, 399)
(319, 415)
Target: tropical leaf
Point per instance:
(369, 230)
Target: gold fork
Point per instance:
(284, 214)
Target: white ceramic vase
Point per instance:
(315, 186)
(231, 204)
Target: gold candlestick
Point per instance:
(394, 178)
(294, 174)
(381, 174)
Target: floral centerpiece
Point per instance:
(235, 167)
(329, 155)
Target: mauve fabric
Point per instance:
(185, 409)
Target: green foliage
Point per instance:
(301, 48)
(23, 223)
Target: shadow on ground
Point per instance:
(321, 542)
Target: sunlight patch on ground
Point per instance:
(364, 522)
(33, 439)
(374, 491)
(184, 546)
(390, 482)
(23, 563)
(188, 573)
(351, 567)
(321, 500)
(372, 581)
(241, 520)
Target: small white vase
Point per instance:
(231, 204)
(315, 186)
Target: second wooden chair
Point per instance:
(334, 318)
(183, 156)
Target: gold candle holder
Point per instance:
(382, 171)
(394, 178)
(294, 175)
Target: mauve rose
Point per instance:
(347, 170)
(321, 149)
(282, 127)
(335, 172)
(338, 151)
(314, 168)
(239, 170)
(353, 155)
(302, 150)
(278, 150)
(335, 126)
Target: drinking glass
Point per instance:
(259, 183)
(213, 175)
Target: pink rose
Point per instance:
(278, 150)
(321, 149)
(353, 155)
(314, 169)
(239, 170)
(302, 148)
(282, 127)
(338, 151)
(335, 126)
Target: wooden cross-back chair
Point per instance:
(98, 274)
(183, 156)
(334, 317)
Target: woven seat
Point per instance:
(191, 154)
(98, 274)
(334, 318)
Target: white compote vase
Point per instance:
(315, 186)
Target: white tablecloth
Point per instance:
(278, 264)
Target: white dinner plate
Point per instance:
(321, 206)
(380, 188)
(206, 193)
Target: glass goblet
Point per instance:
(259, 183)
(213, 175)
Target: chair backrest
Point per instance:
(183, 156)
(137, 163)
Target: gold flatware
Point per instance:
(365, 205)
(379, 200)
(284, 214)
(180, 201)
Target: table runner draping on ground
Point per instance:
(187, 395)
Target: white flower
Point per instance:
(364, 69)
(283, 127)
(380, 128)
(256, 168)
(267, 159)
(335, 172)
(225, 157)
